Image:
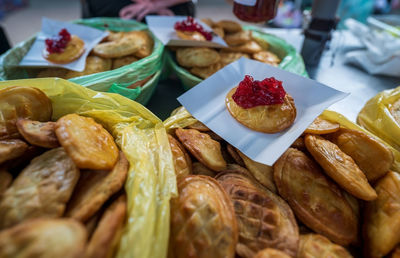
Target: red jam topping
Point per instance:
(191, 25)
(251, 93)
(59, 43)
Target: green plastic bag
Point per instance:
(291, 60)
(124, 76)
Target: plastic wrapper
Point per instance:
(124, 76)
(290, 59)
(376, 118)
(180, 117)
(142, 137)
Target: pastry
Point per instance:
(122, 61)
(87, 142)
(317, 246)
(146, 47)
(205, 149)
(200, 169)
(41, 190)
(322, 126)
(267, 57)
(263, 173)
(22, 102)
(11, 149)
(256, 106)
(44, 238)
(229, 26)
(219, 31)
(299, 144)
(340, 167)
(208, 22)
(182, 161)
(250, 47)
(205, 72)
(114, 36)
(203, 222)
(265, 220)
(94, 188)
(197, 56)
(382, 217)
(238, 38)
(229, 57)
(317, 202)
(395, 111)
(372, 156)
(199, 126)
(189, 29)
(105, 238)
(94, 64)
(5, 180)
(119, 48)
(37, 133)
(271, 253)
(190, 35)
(235, 155)
(52, 72)
(64, 48)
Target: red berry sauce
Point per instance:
(191, 25)
(58, 43)
(251, 93)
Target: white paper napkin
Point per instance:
(163, 28)
(382, 53)
(50, 28)
(206, 102)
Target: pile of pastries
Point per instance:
(116, 50)
(331, 194)
(61, 182)
(203, 61)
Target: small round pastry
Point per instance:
(189, 29)
(190, 35)
(263, 106)
(64, 48)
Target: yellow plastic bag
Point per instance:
(142, 137)
(182, 118)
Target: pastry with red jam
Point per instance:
(263, 106)
(189, 29)
(64, 48)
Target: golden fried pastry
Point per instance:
(87, 142)
(22, 102)
(372, 156)
(182, 161)
(229, 26)
(266, 119)
(229, 57)
(52, 72)
(119, 48)
(122, 61)
(219, 31)
(250, 47)
(299, 144)
(114, 35)
(395, 111)
(263, 173)
(322, 126)
(317, 246)
(190, 35)
(91, 224)
(44, 238)
(264, 219)
(14, 166)
(238, 38)
(205, 72)
(203, 222)
(396, 253)
(74, 49)
(267, 57)
(382, 217)
(271, 253)
(94, 188)
(5, 180)
(107, 234)
(199, 126)
(200, 169)
(235, 155)
(41, 190)
(214, 136)
(208, 22)
(205, 149)
(11, 149)
(317, 201)
(94, 64)
(37, 133)
(197, 56)
(146, 47)
(340, 167)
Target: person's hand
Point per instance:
(140, 8)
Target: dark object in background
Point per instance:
(107, 8)
(4, 43)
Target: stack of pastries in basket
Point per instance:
(331, 194)
(61, 182)
(116, 50)
(203, 61)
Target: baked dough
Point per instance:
(74, 49)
